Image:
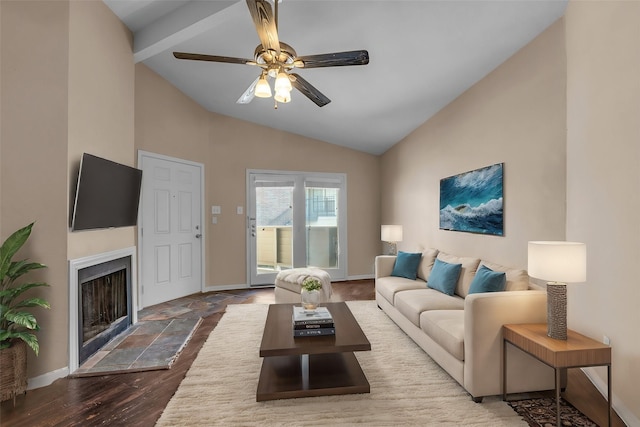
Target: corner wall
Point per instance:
(67, 87)
(33, 156)
(603, 182)
(101, 109)
(515, 115)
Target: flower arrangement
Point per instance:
(311, 284)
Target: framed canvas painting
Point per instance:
(473, 201)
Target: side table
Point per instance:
(577, 351)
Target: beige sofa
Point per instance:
(463, 332)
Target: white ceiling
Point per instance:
(423, 54)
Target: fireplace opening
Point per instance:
(104, 304)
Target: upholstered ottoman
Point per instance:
(288, 284)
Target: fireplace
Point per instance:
(102, 301)
(104, 309)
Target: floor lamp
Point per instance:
(559, 263)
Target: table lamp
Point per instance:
(391, 234)
(559, 263)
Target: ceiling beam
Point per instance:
(182, 24)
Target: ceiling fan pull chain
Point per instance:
(275, 104)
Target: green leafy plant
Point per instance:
(14, 322)
(311, 284)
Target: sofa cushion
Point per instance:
(407, 265)
(487, 280)
(445, 327)
(444, 277)
(388, 286)
(413, 302)
(428, 258)
(469, 267)
(517, 279)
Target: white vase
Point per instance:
(310, 299)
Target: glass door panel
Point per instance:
(322, 226)
(294, 221)
(271, 227)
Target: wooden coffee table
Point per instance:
(311, 366)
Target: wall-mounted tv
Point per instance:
(107, 194)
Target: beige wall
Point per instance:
(603, 177)
(101, 108)
(34, 161)
(169, 123)
(67, 88)
(515, 115)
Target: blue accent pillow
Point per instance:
(407, 265)
(487, 280)
(444, 277)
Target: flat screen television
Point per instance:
(107, 194)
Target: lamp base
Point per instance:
(557, 310)
(392, 248)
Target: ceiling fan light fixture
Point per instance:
(263, 90)
(283, 82)
(283, 95)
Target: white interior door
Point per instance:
(295, 219)
(170, 228)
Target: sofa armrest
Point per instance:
(484, 315)
(384, 265)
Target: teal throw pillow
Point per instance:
(444, 277)
(487, 280)
(407, 265)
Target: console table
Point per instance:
(577, 351)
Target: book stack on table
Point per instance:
(312, 323)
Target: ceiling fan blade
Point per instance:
(265, 24)
(248, 94)
(337, 59)
(309, 91)
(212, 58)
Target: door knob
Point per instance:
(198, 236)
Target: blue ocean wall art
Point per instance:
(473, 201)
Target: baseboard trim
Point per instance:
(46, 379)
(361, 277)
(214, 288)
(623, 412)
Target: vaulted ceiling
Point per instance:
(423, 55)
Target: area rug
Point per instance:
(407, 387)
(145, 346)
(541, 412)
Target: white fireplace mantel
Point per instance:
(78, 264)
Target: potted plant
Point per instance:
(16, 325)
(310, 293)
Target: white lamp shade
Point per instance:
(282, 82)
(391, 233)
(557, 261)
(283, 96)
(263, 90)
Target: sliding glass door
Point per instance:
(295, 219)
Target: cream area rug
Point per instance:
(407, 387)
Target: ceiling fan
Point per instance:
(277, 59)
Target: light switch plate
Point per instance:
(239, 210)
(216, 210)
(214, 220)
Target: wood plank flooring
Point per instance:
(138, 399)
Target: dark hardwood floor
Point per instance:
(138, 399)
